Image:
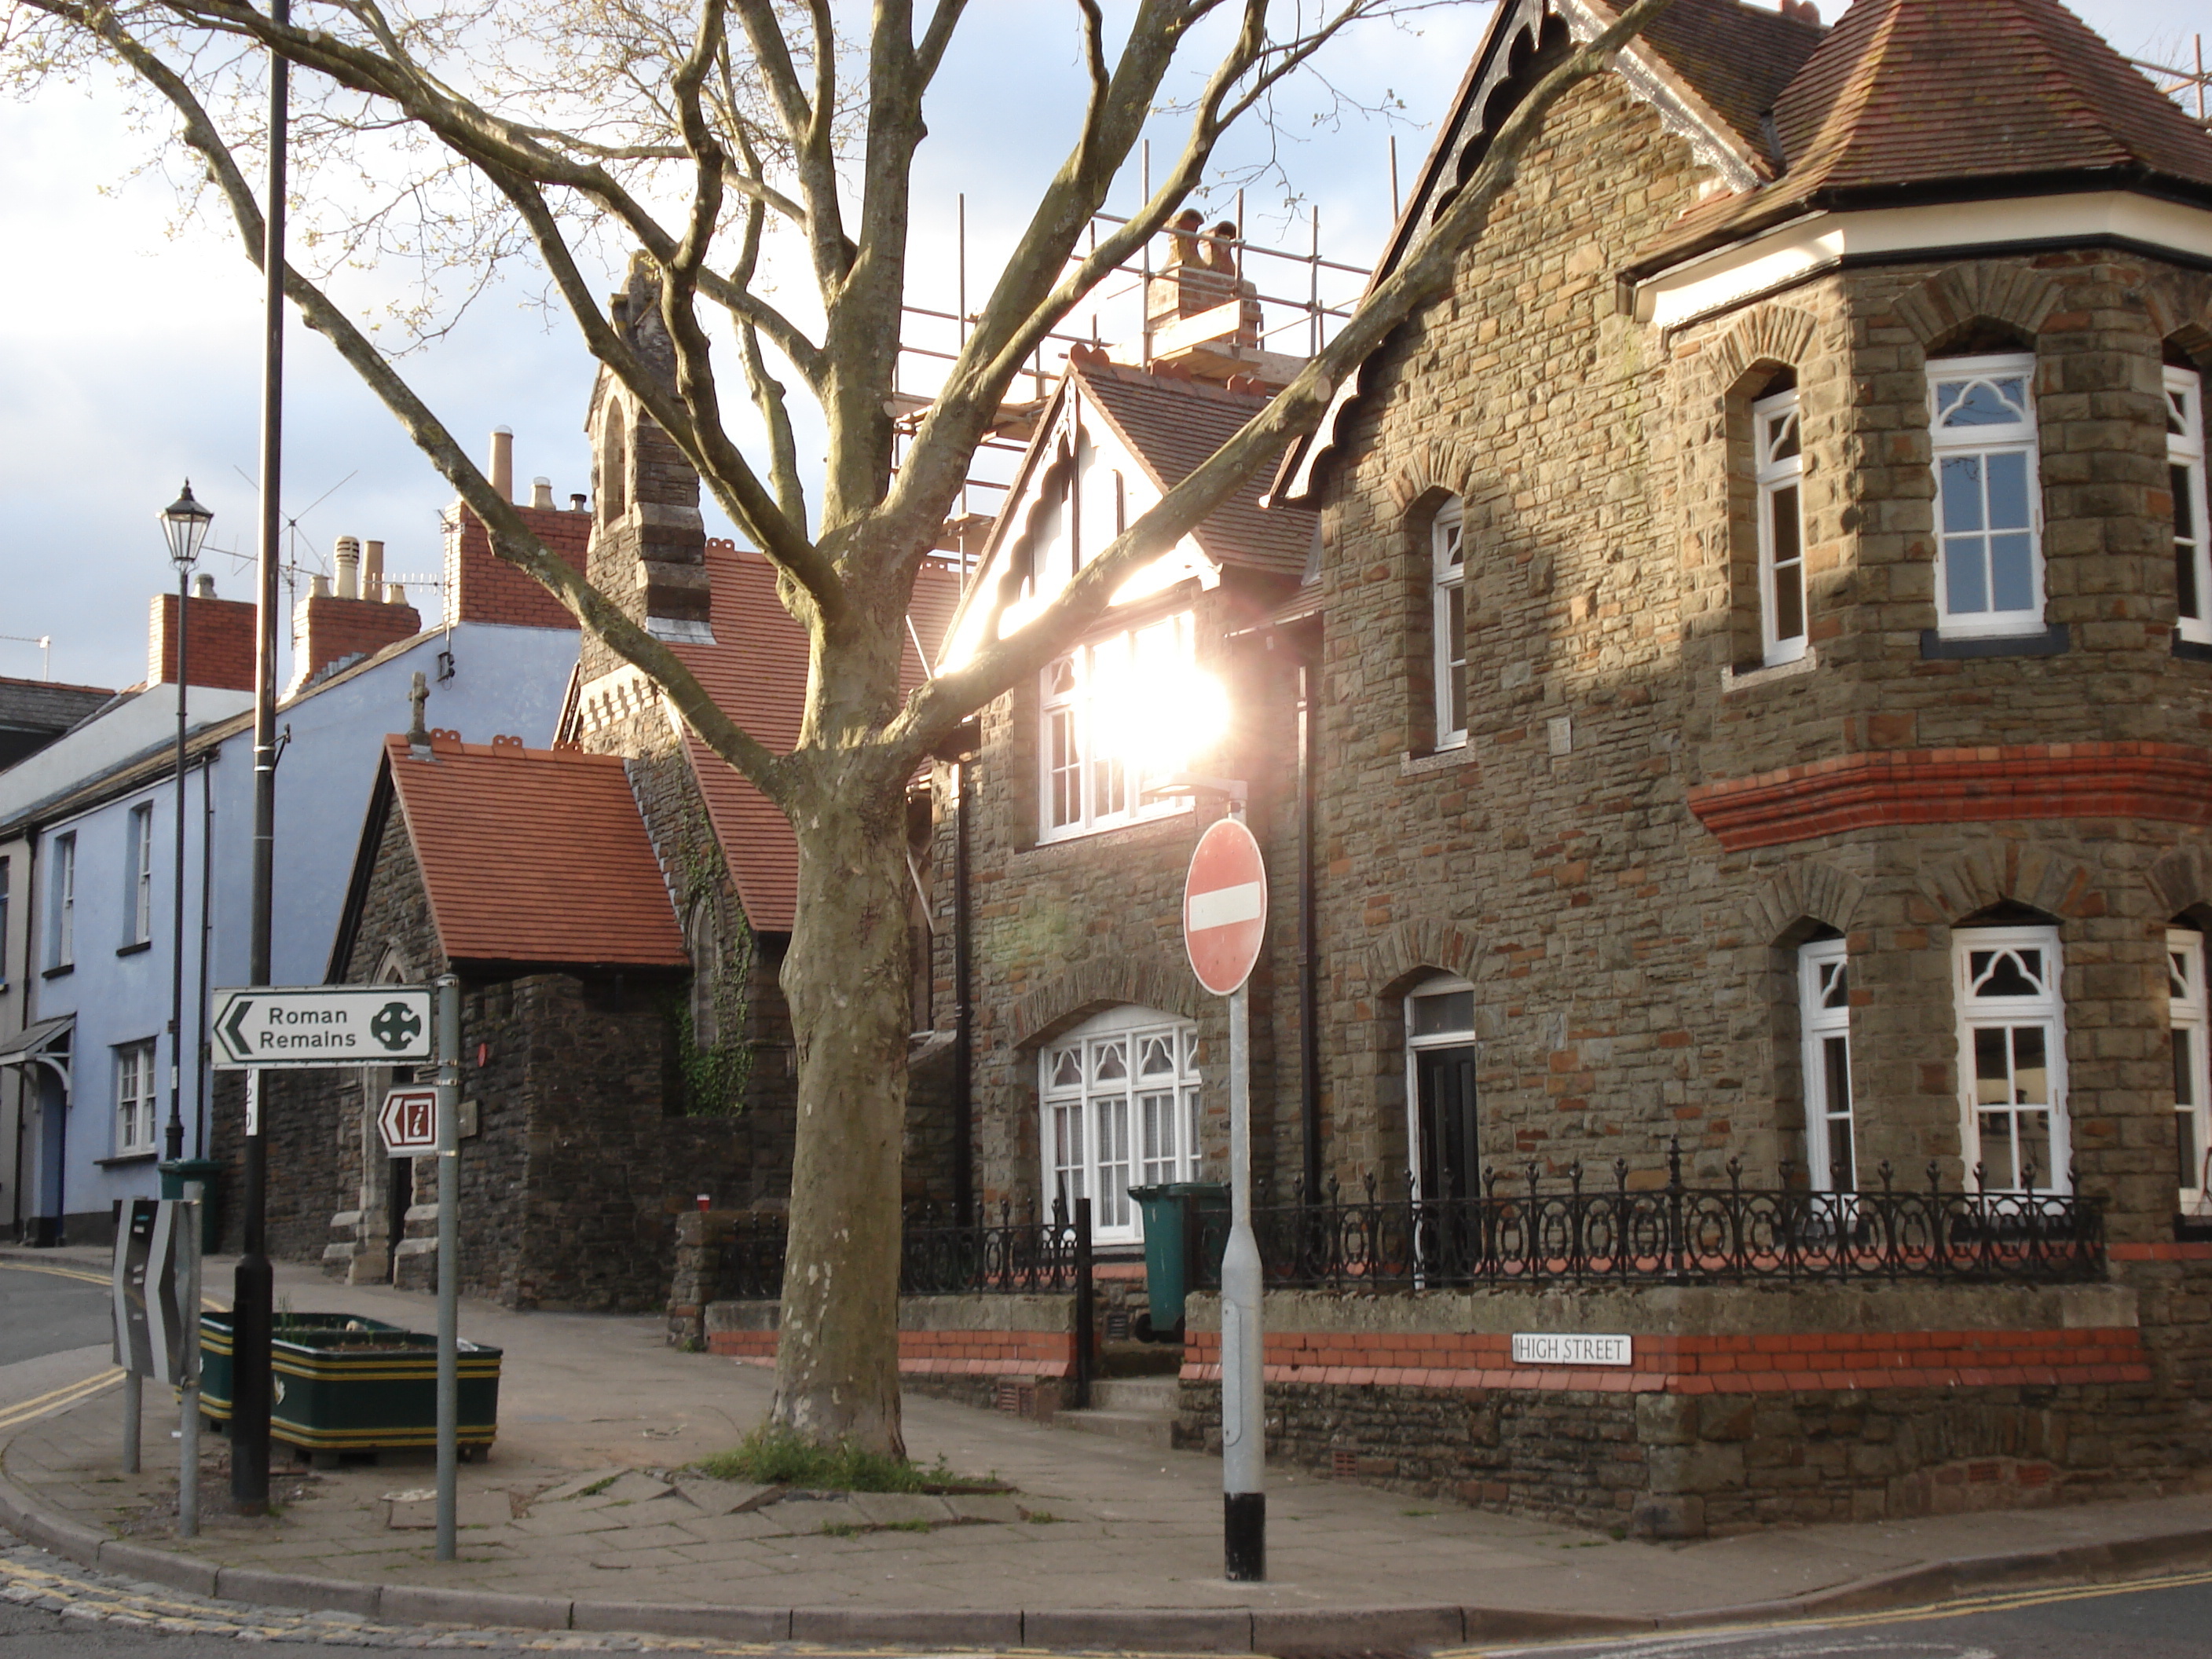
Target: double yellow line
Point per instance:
(59, 1273)
(58, 1399)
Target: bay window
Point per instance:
(1121, 1100)
(1988, 565)
(2185, 466)
(2012, 1057)
(1780, 465)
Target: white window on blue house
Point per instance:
(2185, 466)
(1989, 510)
(138, 876)
(61, 926)
(134, 1098)
(1120, 1098)
(2012, 1057)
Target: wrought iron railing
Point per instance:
(939, 1254)
(1516, 1232)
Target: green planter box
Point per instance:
(344, 1383)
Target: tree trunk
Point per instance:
(845, 979)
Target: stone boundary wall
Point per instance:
(1014, 1351)
(1744, 1406)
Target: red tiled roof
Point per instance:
(756, 671)
(534, 855)
(1960, 97)
(1737, 57)
(1172, 424)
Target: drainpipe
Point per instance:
(963, 1044)
(1309, 968)
(207, 930)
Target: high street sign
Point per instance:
(322, 1025)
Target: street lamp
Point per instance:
(184, 527)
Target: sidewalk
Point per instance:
(1105, 1544)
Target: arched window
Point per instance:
(1446, 1159)
(2192, 1067)
(2184, 465)
(614, 468)
(2012, 1056)
(1988, 508)
(1824, 992)
(1119, 1094)
(1779, 460)
(1448, 620)
(699, 944)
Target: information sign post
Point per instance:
(1225, 920)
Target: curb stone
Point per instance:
(1132, 1629)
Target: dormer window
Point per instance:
(1781, 470)
(2185, 466)
(1989, 564)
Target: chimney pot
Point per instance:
(319, 588)
(347, 559)
(203, 586)
(372, 568)
(395, 594)
(503, 462)
(541, 492)
(575, 503)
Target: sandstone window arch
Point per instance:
(1444, 1149)
(1778, 482)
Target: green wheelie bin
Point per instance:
(1181, 1249)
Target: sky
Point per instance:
(129, 357)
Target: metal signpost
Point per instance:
(261, 1028)
(1225, 917)
(157, 1283)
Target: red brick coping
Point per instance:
(1701, 1364)
(2166, 782)
(1043, 1354)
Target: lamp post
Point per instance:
(185, 527)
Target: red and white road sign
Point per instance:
(1225, 906)
(408, 1121)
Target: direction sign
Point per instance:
(322, 1025)
(1225, 906)
(408, 1121)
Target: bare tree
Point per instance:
(685, 136)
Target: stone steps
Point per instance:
(1134, 1408)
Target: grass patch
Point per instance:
(599, 1486)
(1417, 1514)
(906, 1526)
(840, 1529)
(767, 1459)
(1039, 1517)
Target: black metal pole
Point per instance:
(963, 1042)
(1308, 988)
(175, 1138)
(255, 1283)
(1086, 1308)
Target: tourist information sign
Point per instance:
(408, 1121)
(322, 1025)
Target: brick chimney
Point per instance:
(330, 629)
(1202, 274)
(480, 585)
(220, 654)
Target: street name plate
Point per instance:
(1571, 1348)
(322, 1025)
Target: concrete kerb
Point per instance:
(1415, 1629)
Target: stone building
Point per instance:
(1738, 745)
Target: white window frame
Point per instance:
(1455, 1037)
(1824, 1019)
(135, 1095)
(1778, 454)
(2187, 1016)
(1949, 444)
(61, 948)
(1084, 787)
(2192, 541)
(139, 873)
(1146, 1122)
(1978, 1014)
(1448, 622)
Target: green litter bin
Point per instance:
(1179, 1250)
(180, 1176)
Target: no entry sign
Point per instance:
(1225, 906)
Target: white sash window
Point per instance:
(1090, 701)
(1448, 620)
(1781, 468)
(2185, 466)
(2012, 1057)
(1988, 508)
(2193, 1067)
(134, 1098)
(1824, 990)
